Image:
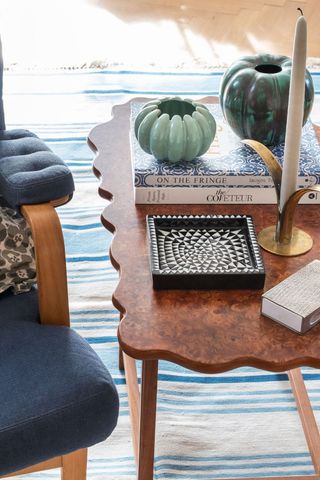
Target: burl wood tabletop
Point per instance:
(209, 331)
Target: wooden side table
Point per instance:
(205, 331)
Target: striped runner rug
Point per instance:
(243, 423)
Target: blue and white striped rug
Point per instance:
(240, 424)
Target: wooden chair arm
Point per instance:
(50, 263)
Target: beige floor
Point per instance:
(166, 34)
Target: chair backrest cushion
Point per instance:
(29, 171)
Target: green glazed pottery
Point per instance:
(254, 95)
(175, 129)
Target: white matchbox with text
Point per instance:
(295, 302)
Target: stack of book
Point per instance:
(229, 173)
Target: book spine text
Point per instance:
(223, 195)
(205, 181)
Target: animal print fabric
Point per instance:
(17, 261)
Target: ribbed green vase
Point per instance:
(254, 94)
(175, 129)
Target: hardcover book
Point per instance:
(213, 195)
(297, 312)
(229, 172)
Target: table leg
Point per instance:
(133, 400)
(149, 381)
(307, 417)
(120, 359)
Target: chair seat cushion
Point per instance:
(29, 171)
(56, 395)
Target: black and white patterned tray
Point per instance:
(204, 252)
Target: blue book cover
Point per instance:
(227, 163)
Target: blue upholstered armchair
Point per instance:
(56, 396)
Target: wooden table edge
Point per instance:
(165, 354)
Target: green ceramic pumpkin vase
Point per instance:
(175, 129)
(254, 94)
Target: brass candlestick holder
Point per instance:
(283, 238)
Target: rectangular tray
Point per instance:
(204, 252)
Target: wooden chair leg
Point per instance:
(74, 465)
(149, 383)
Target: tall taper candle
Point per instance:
(295, 113)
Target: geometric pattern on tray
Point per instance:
(204, 247)
(199, 250)
(216, 243)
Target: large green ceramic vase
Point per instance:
(175, 129)
(254, 94)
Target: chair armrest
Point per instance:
(50, 262)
